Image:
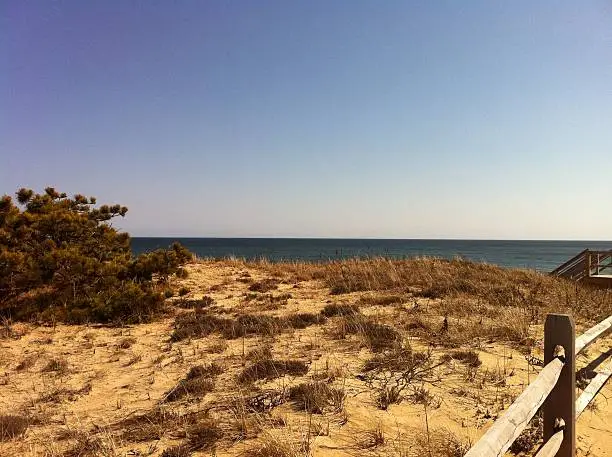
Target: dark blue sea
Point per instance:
(538, 255)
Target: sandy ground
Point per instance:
(105, 375)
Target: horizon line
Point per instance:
(267, 237)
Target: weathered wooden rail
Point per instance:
(554, 390)
(590, 266)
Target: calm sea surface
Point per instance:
(539, 255)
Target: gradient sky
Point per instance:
(458, 119)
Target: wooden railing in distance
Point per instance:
(573, 266)
(553, 390)
(603, 262)
(585, 263)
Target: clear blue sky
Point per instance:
(458, 119)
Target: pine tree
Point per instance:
(61, 259)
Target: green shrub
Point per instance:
(61, 259)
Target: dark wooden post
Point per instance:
(588, 264)
(559, 330)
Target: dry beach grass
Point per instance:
(369, 357)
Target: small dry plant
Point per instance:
(274, 446)
(12, 426)
(203, 323)
(6, 330)
(339, 309)
(375, 336)
(371, 438)
(198, 382)
(102, 444)
(391, 373)
(271, 369)
(303, 320)
(59, 366)
(152, 425)
(467, 357)
(317, 397)
(264, 286)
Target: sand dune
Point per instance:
(94, 390)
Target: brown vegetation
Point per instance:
(151, 425)
(56, 365)
(494, 286)
(198, 381)
(303, 320)
(339, 309)
(468, 357)
(270, 369)
(264, 286)
(12, 426)
(203, 323)
(377, 337)
(317, 397)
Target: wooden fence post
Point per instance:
(588, 263)
(559, 330)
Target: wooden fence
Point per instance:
(554, 390)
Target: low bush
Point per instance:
(400, 359)
(392, 372)
(371, 438)
(196, 325)
(377, 337)
(334, 309)
(126, 343)
(267, 301)
(272, 446)
(265, 401)
(439, 442)
(181, 450)
(28, 362)
(252, 324)
(202, 323)
(303, 320)
(270, 369)
(152, 425)
(198, 382)
(264, 286)
(467, 357)
(195, 387)
(259, 353)
(61, 259)
(420, 395)
(209, 371)
(12, 426)
(317, 397)
(57, 365)
(203, 435)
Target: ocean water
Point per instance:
(538, 255)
